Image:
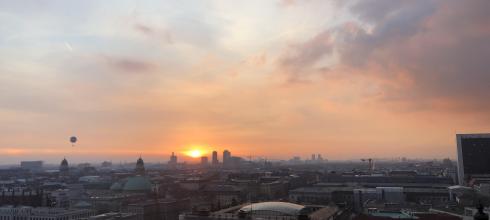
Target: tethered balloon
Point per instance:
(73, 140)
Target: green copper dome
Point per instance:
(137, 183)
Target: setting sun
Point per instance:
(195, 153)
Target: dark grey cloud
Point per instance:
(445, 61)
(388, 24)
(299, 57)
(442, 46)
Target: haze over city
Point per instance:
(272, 79)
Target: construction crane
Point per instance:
(371, 163)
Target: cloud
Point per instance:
(440, 47)
(298, 58)
(13, 151)
(160, 34)
(129, 65)
(287, 2)
(385, 73)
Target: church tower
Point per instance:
(140, 167)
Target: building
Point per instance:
(43, 213)
(267, 210)
(173, 160)
(390, 194)
(64, 168)
(319, 157)
(473, 154)
(133, 184)
(376, 214)
(273, 190)
(163, 209)
(226, 158)
(403, 181)
(326, 193)
(33, 166)
(362, 196)
(115, 216)
(23, 197)
(223, 196)
(204, 161)
(215, 160)
(322, 195)
(140, 167)
(106, 164)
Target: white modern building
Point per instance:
(268, 210)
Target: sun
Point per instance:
(195, 153)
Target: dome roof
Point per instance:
(64, 162)
(137, 183)
(117, 186)
(273, 208)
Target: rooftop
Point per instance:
(280, 208)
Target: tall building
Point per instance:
(473, 156)
(226, 157)
(313, 157)
(173, 159)
(140, 167)
(215, 158)
(204, 161)
(64, 168)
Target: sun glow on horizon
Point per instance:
(195, 153)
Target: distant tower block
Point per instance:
(204, 161)
(226, 157)
(313, 157)
(215, 158)
(319, 157)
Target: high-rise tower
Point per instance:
(473, 156)
(204, 161)
(226, 158)
(215, 160)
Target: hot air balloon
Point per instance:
(73, 140)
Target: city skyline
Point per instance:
(190, 157)
(273, 79)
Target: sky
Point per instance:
(262, 78)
